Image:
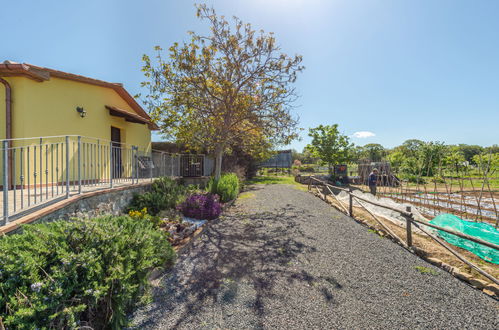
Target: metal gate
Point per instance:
(191, 165)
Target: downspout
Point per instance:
(8, 120)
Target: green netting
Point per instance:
(481, 230)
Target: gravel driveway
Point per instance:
(283, 259)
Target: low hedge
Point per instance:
(69, 274)
(227, 187)
(165, 194)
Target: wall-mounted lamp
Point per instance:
(81, 111)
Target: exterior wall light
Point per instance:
(81, 111)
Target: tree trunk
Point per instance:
(219, 150)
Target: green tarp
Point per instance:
(480, 230)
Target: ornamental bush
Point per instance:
(165, 194)
(63, 275)
(201, 206)
(227, 187)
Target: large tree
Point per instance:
(374, 152)
(230, 88)
(330, 145)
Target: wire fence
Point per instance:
(409, 217)
(37, 171)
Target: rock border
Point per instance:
(187, 242)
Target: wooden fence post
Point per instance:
(408, 222)
(350, 203)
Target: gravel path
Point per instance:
(283, 259)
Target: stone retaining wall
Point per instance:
(108, 203)
(97, 203)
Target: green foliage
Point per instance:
(143, 215)
(227, 187)
(396, 159)
(426, 270)
(437, 179)
(469, 151)
(304, 157)
(487, 163)
(419, 158)
(454, 159)
(274, 180)
(232, 87)
(416, 157)
(305, 168)
(373, 151)
(432, 155)
(154, 202)
(57, 274)
(414, 178)
(330, 145)
(411, 146)
(165, 194)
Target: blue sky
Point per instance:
(397, 68)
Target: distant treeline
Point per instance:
(416, 157)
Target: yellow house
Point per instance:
(52, 119)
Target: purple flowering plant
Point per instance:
(201, 206)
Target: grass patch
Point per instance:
(246, 195)
(268, 179)
(426, 270)
(376, 232)
(272, 180)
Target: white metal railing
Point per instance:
(38, 171)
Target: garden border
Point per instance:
(188, 241)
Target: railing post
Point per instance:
(138, 164)
(111, 165)
(150, 167)
(5, 182)
(67, 166)
(179, 167)
(79, 164)
(171, 161)
(135, 164)
(408, 221)
(350, 203)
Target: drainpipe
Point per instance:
(8, 120)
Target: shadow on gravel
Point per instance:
(255, 248)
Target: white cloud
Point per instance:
(363, 134)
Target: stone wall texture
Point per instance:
(107, 203)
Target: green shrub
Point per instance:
(304, 168)
(65, 274)
(165, 194)
(227, 187)
(414, 178)
(145, 216)
(437, 179)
